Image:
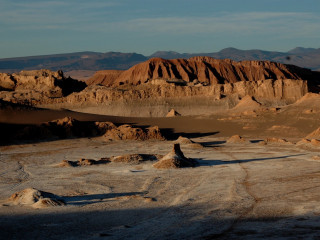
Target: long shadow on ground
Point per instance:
(96, 198)
(202, 162)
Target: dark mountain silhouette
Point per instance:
(73, 61)
(302, 57)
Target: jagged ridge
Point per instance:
(207, 70)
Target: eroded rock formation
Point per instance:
(162, 79)
(205, 70)
(175, 159)
(288, 90)
(49, 83)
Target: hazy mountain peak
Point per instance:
(301, 50)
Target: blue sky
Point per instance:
(37, 27)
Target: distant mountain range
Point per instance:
(94, 61)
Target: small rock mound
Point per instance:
(66, 163)
(173, 113)
(236, 139)
(275, 141)
(35, 198)
(189, 142)
(306, 142)
(278, 130)
(308, 97)
(127, 132)
(303, 141)
(175, 159)
(83, 162)
(314, 135)
(86, 162)
(316, 158)
(247, 103)
(315, 142)
(135, 158)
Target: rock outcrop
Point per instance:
(274, 140)
(127, 132)
(287, 90)
(314, 135)
(173, 113)
(49, 83)
(35, 198)
(237, 139)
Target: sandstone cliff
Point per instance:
(264, 90)
(204, 70)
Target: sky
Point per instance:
(39, 27)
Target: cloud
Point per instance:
(100, 16)
(241, 23)
(35, 14)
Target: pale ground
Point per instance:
(239, 191)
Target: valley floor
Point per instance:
(238, 191)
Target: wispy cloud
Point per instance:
(99, 16)
(118, 24)
(89, 17)
(242, 23)
(35, 14)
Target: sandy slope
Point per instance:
(245, 190)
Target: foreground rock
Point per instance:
(127, 132)
(35, 198)
(237, 139)
(175, 159)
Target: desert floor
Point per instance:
(239, 191)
